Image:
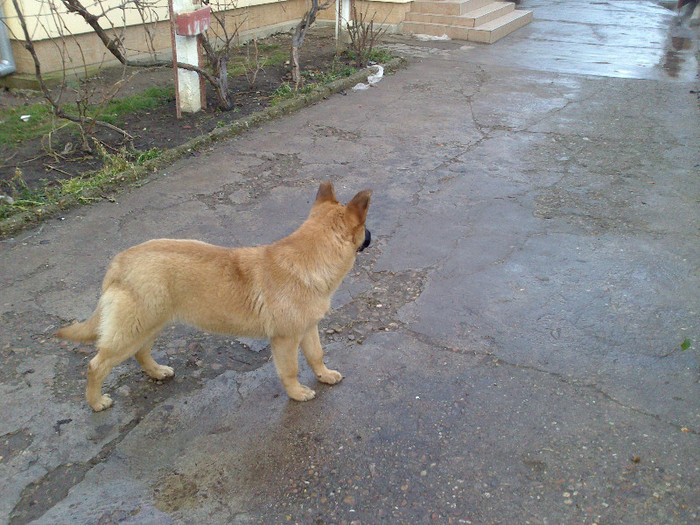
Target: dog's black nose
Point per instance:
(368, 239)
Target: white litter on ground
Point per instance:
(371, 79)
(425, 38)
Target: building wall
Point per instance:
(63, 41)
(387, 12)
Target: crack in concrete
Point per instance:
(492, 359)
(321, 131)
(40, 496)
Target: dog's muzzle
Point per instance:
(368, 239)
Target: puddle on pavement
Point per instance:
(680, 43)
(674, 58)
(602, 38)
(672, 63)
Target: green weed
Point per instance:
(114, 163)
(148, 155)
(283, 92)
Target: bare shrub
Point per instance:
(363, 36)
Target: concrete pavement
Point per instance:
(510, 342)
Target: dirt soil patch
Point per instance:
(47, 160)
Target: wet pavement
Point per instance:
(511, 342)
(610, 38)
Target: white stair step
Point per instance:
(494, 30)
(453, 32)
(470, 19)
(427, 18)
(483, 21)
(447, 7)
(490, 12)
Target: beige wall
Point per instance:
(389, 12)
(42, 15)
(76, 46)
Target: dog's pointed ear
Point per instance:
(325, 193)
(360, 204)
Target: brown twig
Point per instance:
(64, 172)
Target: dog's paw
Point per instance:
(162, 372)
(301, 393)
(330, 377)
(103, 402)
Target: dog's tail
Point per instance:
(85, 332)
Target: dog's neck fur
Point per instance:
(319, 268)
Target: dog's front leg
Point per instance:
(311, 346)
(285, 352)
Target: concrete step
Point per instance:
(472, 18)
(447, 7)
(495, 22)
(490, 11)
(494, 30)
(424, 28)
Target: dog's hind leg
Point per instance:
(285, 352)
(311, 347)
(109, 356)
(98, 369)
(124, 329)
(153, 369)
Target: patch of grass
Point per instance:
(114, 163)
(237, 66)
(336, 71)
(268, 55)
(269, 48)
(147, 100)
(312, 80)
(381, 56)
(14, 130)
(275, 57)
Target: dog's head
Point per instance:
(353, 215)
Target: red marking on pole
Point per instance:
(193, 23)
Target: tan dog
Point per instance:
(279, 291)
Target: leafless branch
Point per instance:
(56, 106)
(300, 33)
